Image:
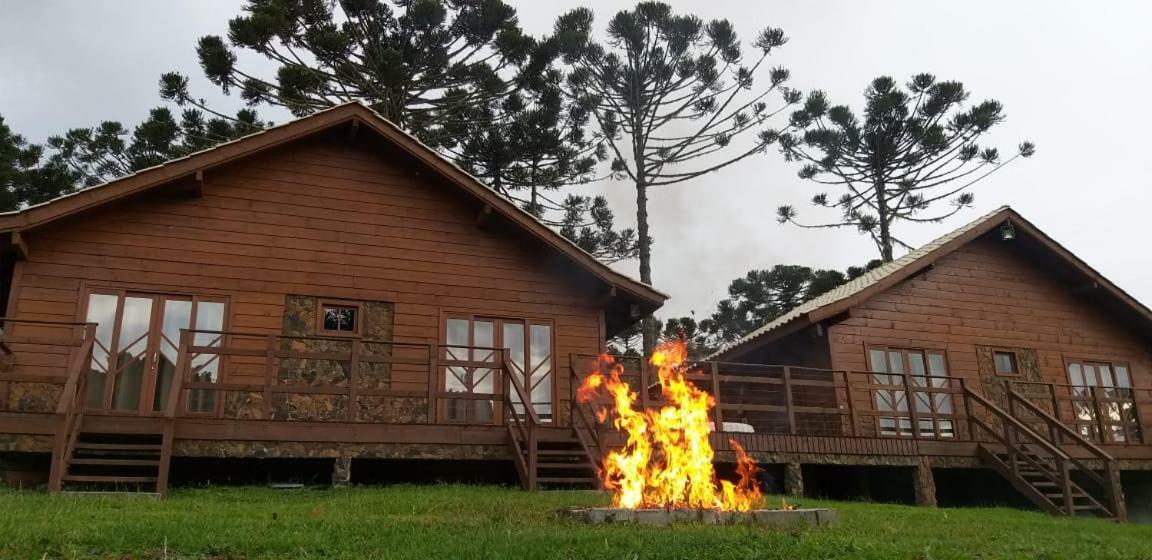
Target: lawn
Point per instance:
(487, 522)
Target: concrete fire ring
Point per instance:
(772, 518)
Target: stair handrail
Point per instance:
(580, 413)
(1062, 476)
(70, 408)
(1111, 483)
(527, 427)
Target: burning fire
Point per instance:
(667, 461)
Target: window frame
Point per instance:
(1015, 356)
(942, 422)
(498, 321)
(358, 323)
(1092, 424)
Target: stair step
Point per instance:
(104, 478)
(149, 495)
(572, 465)
(118, 446)
(562, 452)
(115, 462)
(567, 479)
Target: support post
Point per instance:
(788, 400)
(924, 484)
(342, 470)
(718, 412)
(793, 480)
(433, 382)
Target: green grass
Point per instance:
(485, 522)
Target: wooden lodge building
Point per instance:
(331, 290)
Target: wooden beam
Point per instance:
(20, 244)
(354, 130)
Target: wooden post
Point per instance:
(853, 422)
(645, 374)
(183, 372)
(968, 411)
(924, 483)
(793, 480)
(165, 456)
(910, 399)
(1056, 438)
(353, 379)
(1010, 435)
(788, 400)
(718, 412)
(1115, 491)
(271, 370)
(1066, 486)
(1099, 415)
(433, 382)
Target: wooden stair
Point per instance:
(561, 461)
(108, 462)
(1038, 478)
(1038, 455)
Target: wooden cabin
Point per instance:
(992, 349)
(329, 288)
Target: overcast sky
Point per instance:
(1071, 75)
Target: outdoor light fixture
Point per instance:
(1007, 232)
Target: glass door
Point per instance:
(471, 366)
(134, 358)
(926, 369)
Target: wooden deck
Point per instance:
(295, 396)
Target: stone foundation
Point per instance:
(773, 518)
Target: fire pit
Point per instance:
(818, 517)
(665, 471)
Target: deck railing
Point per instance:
(796, 400)
(240, 375)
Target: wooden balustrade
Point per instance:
(238, 375)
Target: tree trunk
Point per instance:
(648, 325)
(885, 230)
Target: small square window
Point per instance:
(1006, 363)
(340, 319)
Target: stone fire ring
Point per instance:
(773, 518)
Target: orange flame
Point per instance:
(667, 460)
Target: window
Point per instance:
(893, 370)
(1006, 362)
(1102, 401)
(339, 318)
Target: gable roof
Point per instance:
(339, 115)
(842, 298)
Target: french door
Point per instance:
(471, 365)
(925, 368)
(1102, 401)
(134, 358)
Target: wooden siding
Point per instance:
(986, 293)
(319, 217)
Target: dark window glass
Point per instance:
(1006, 363)
(339, 318)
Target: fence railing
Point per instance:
(796, 400)
(240, 376)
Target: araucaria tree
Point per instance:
(27, 176)
(459, 74)
(672, 96)
(912, 149)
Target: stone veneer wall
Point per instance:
(300, 319)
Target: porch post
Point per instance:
(924, 484)
(793, 480)
(342, 470)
